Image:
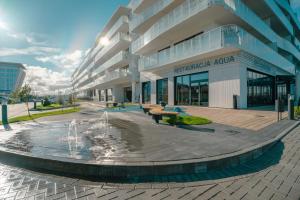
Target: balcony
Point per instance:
(153, 10)
(134, 4)
(119, 60)
(121, 41)
(121, 25)
(185, 18)
(221, 40)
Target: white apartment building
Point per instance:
(203, 53)
(109, 71)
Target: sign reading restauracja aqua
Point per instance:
(205, 63)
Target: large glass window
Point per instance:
(146, 92)
(260, 89)
(162, 91)
(102, 95)
(109, 96)
(192, 89)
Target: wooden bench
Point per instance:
(148, 107)
(158, 115)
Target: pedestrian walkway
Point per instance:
(247, 119)
(279, 181)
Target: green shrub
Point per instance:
(46, 102)
(187, 120)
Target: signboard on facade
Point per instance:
(205, 63)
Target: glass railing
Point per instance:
(121, 56)
(133, 4)
(280, 15)
(158, 6)
(116, 26)
(176, 16)
(284, 4)
(110, 76)
(229, 36)
(192, 7)
(116, 39)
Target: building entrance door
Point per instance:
(199, 93)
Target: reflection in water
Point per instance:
(94, 139)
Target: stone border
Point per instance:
(121, 171)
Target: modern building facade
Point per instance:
(109, 71)
(205, 52)
(11, 77)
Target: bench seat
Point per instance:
(158, 114)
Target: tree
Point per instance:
(14, 96)
(24, 95)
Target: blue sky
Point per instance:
(52, 36)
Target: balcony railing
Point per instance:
(119, 57)
(192, 7)
(116, 39)
(229, 36)
(122, 20)
(133, 4)
(176, 16)
(149, 12)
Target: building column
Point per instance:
(135, 92)
(171, 89)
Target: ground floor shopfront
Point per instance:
(215, 81)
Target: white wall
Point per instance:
(224, 82)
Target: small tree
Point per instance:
(14, 96)
(46, 102)
(24, 95)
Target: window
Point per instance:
(146, 92)
(109, 96)
(162, 91)
(260, 89)
(192, 89)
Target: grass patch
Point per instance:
(39, 115)
(51, 106)
(187, 120)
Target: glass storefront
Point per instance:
(146, 92)
(192, 89)
(162, 91)
(260, 89)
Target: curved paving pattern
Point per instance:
(279, 181)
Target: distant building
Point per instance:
(11, 77)
(195, 52)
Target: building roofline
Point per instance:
(12, 64)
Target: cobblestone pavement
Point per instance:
(247, 119)
(280, 181)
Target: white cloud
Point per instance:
(44, 81)
(66, 61)
(34, 50)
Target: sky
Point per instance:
(52, 36)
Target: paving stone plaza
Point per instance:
(274, 174)
(279, 181)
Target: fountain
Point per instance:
(73, 137)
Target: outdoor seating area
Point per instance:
(158, 112)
